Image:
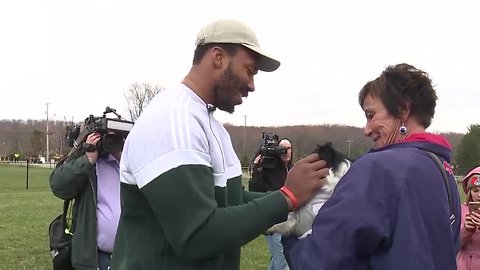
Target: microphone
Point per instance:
(211, 108)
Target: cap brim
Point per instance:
(265, 63)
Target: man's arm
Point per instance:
(252, 195)
(70, 178)
(183, 200)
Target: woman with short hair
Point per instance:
(393, 209)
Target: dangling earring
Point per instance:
(403, 129)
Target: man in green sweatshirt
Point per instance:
(183, 203)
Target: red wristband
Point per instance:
(290, 195)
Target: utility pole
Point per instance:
(349, 143)
(47, 158)
(244, 131)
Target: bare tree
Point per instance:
(138, 96)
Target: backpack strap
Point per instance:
(439, 165)
(67, 216)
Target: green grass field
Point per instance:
(26, 214)
(24, 217)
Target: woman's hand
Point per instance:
(475, 218)
(468, 224)
(257, 160)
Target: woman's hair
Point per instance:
(468, 197)
(401, 87)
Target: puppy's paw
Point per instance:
(283, 228)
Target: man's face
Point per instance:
(236, 81)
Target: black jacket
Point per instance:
(268, 179)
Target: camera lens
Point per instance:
(112, 143)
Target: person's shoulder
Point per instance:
(391, 154)
(76, 157)
(387, 160)
(181, 101)
(372, 157)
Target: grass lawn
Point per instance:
(24, 217)
(26, 214)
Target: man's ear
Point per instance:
(218, 56)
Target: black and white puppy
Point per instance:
(299, 222)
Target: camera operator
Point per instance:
(91, 178)
(271, 178)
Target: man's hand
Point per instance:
(92, 139)
(258, 160)
(306, 178)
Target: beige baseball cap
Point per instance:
(233, 31)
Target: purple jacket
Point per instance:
(390, 211)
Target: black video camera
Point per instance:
(271, 151)
(112, 131)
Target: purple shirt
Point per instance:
(108, 202)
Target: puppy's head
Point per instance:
(332, 156)
(336, 161)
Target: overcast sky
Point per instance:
(81, 56)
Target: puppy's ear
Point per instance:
(326, 153)
(320, 151)
(332, 156)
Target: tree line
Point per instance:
(22, 139)
(348, 139)
(27, 138)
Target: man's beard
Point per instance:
(226, 89)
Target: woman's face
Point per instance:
(382, 127)
(475, 192)
(286, 144)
